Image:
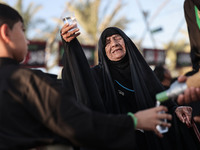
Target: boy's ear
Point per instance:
(4, 32)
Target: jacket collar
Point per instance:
(7, 61)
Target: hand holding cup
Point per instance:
(70, 29)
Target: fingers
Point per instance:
(187, 120)
(161, 120)
(164, 116)
(158, 133)
(181, 99)
(197, 119)
(163, 124)
(66, 28)
(188, 123)
(70, 37)
(182, 79)
(181, 118)
(195, 94)
(198, 92)
(68, 34)
(191, 94)
(184, 113)
(150, 118)
(187, 95)
(161, 108)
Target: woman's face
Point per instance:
(115, 47)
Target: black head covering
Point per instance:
(107, 33)
(144, 82)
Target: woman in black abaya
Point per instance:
(128, 85)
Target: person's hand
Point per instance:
(148, 119)
(190, 94)
(184, 113)
(197, 119)
(68, 35)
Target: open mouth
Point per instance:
(116, 50)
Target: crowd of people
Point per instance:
(108, 106)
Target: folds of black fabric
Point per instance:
(77, 75)
(181, 136)
(193, 30)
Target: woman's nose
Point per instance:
(114, 42)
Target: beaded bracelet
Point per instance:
(133, 117)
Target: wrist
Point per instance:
(135, 120)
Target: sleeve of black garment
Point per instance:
(196, 3)
(54, 107)
(66, 74)
(77, 71)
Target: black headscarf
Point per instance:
(144, 82)
(117, 68)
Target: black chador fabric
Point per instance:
(143, 82)
(120, 72)
(145, 85)
(132, 72)
(142, 79)
(76, 74)
(191, 16)
(35, 110)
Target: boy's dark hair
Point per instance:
(9, 16)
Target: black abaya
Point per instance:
(144, 83)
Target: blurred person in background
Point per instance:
(163, 75)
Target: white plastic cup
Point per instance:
(70, 19)
(161, 128)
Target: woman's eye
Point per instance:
(107, 42)
(118, 38)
